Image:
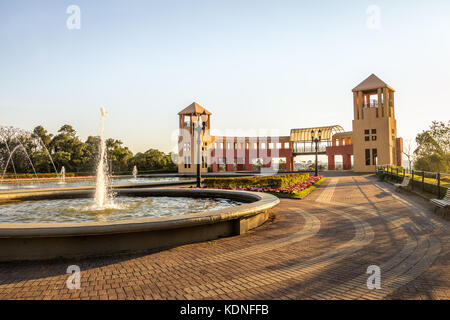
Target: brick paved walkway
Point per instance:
(317, 248)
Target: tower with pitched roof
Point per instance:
(375, 139)
(187, 140)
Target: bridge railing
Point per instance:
(308, 148)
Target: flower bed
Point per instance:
(297, 190)
(276, 181)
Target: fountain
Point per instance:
(62, 176)
(13, 141)
(135, 173)
(104, 198)
(49, 223)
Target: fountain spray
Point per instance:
(135, 172)
(102, 195)
(62, 176)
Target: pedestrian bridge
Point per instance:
(302, 143)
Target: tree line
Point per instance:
(66, 149)
(433, 148)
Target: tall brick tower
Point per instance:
(375, 139)
(187, 140)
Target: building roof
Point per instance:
(304, 134)
(343, 134)
(371, 83)
(193, 107)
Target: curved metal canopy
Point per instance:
(304, 134)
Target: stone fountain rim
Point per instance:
(261, 202)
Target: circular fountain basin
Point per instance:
(89, 182)
(123, 208)
(211, 214)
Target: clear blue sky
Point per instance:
(253, 64)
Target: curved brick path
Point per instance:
(317, 248)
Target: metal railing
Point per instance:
(372, 104)
(375, 103)
(426, 181)
(308, 148)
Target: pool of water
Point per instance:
(70, 183)
(123, 208)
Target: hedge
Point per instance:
(276, 181)
(33, 176)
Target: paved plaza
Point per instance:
(316, 248)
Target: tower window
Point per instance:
(367, 131)
(374, 156)
(366, 138)
(367, 157)
(374, 138)
(374, 131)
(187, 121)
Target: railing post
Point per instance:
(412, 178)
(397, 175)
(439, 184)
(423, 180)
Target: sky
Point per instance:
(261, 67)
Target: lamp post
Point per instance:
(199, 125)
(316, 139)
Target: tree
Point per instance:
(46, 138)
(118, 155)
(91, 153)
(68, 130)
(408, 151)
(433, 148)
(68, 144)
(152, 159)
(19, 149)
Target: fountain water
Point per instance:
(135, 172)
(103, 196)
(62, 176)
(13, 141)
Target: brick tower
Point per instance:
(374, 135)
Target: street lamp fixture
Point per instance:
(199, 125)
(316, 138)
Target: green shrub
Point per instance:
(276, 181)
(33, 176)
